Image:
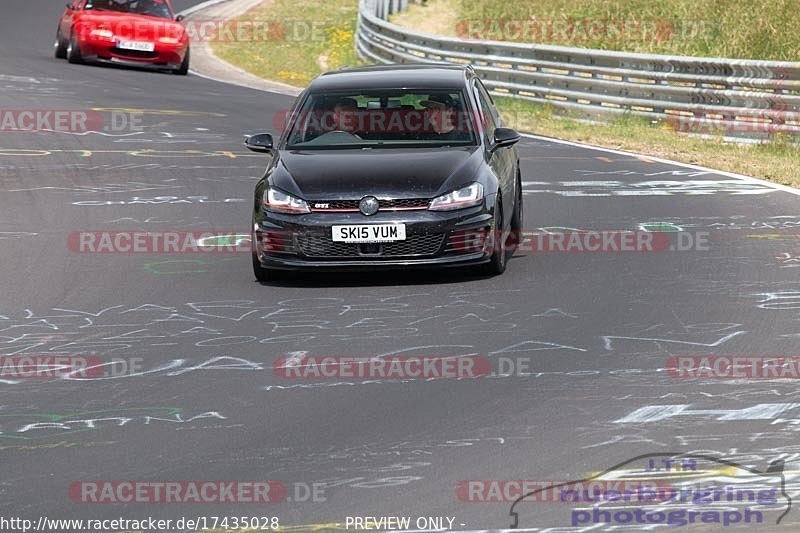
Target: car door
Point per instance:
(502, 161)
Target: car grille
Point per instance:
(140, 54)
(414, 246)
(385, 205)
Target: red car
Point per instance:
(141, 33)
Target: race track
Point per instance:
(596, 328)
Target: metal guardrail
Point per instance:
(745, 98)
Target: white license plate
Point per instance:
(366, 233)
(136, 45)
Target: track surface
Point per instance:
(597, 328)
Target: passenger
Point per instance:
(442, 117)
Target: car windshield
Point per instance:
(382, 118)
(153, 8)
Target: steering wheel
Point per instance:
(345, 132)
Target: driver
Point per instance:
(441, 115)
(344, 115)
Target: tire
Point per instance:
(184, 68)
(74, 51)
(60, 47)
(499, 258)
(517, 220)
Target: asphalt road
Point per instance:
(596, 329)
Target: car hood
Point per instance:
(386, 173)
(132, 26)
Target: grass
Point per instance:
(776, 161)
(311, 37)
(741, 29)
(297, 61)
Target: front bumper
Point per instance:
(163, 57)
(433, 239)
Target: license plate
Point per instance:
(369, 233)
(136, 45)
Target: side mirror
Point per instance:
(260, 142)
(179, 18)
(504, 137)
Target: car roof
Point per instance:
(420, 76)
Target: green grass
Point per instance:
(318, 36)
(776, 161)
(297, 62)
(741, 29)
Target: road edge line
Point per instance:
(743, 177)
(199, 7)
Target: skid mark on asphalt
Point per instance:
(34, 426)
(165, 112)
(610, 188)
(143, 152)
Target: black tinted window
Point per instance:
(490, 119)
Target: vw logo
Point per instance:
(368, 205)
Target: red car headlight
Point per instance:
(102, 33)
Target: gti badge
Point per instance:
(368, 205)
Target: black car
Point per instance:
(388, 166)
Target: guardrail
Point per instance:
(744, 98)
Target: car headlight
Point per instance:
(105, 34)
(280, 202)
(466, 197)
